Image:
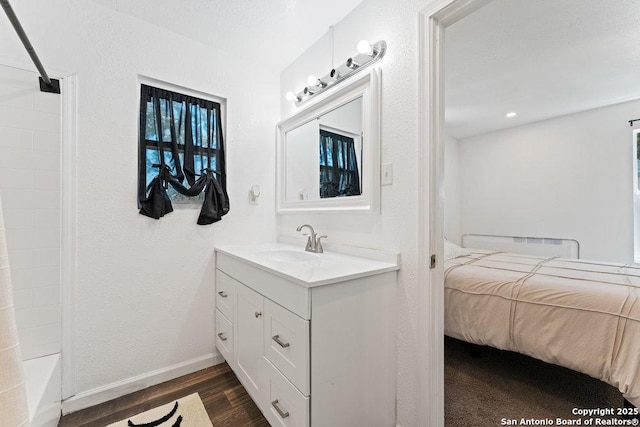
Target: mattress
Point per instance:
(583, 315)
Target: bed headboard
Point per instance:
(565, 248)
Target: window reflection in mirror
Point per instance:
(339, 175)
(324, 155)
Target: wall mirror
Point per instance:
(328, 153)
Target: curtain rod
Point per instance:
(634, 120)
(46, 84)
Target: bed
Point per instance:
(582, 315)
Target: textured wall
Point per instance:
(396, 227)
(144, 295)
(452, 190)
(569, 177)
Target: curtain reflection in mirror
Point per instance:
(339, 175)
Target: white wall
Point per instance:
(396, 227)
(451, 190)
(144, 293)
(30, 186)
(569, 177)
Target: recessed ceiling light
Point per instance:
(511, 114)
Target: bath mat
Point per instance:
(185, 412)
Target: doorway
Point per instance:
(432, 25)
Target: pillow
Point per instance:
(451, 250)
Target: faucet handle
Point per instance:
(319, 244)
(309, 241)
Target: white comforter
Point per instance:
(582, 315)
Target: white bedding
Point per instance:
(582, 315)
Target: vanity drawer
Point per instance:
(286, 406)
(224, 336)
(286, 344)
(284, 292)
(225, 294)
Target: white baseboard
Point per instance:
(114, 390)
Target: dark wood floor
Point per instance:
(226, 401)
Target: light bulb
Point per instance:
(314, 81)
(365, 48)
(290, 96)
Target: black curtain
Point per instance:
(181, 144)
(338, 166)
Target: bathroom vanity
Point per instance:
(310, 336)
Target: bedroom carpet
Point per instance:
(481, 391)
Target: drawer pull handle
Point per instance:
(222, 294)
(281, 343)
(222, 337)
(282, 413)
(258, 314)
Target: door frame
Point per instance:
(433, 21)
(69, 202)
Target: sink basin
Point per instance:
(287, 255)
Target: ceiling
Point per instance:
(273, 33)
(541, 59)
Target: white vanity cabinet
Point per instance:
(309, 350)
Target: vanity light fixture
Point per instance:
(314, 81)
(365, 48)
(367, 54)
(352, 64)
(290, 96)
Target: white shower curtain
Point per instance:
(13, 394)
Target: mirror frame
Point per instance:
(366, 86)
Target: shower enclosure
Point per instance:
(30, 149)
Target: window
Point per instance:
(181, 151)
(339, 175)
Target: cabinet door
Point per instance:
(249, 343)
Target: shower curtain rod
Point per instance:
(632, 121)
(46, 84)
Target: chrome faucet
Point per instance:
(314, 243)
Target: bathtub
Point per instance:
(44, 390)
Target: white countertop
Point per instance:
(306, 268)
